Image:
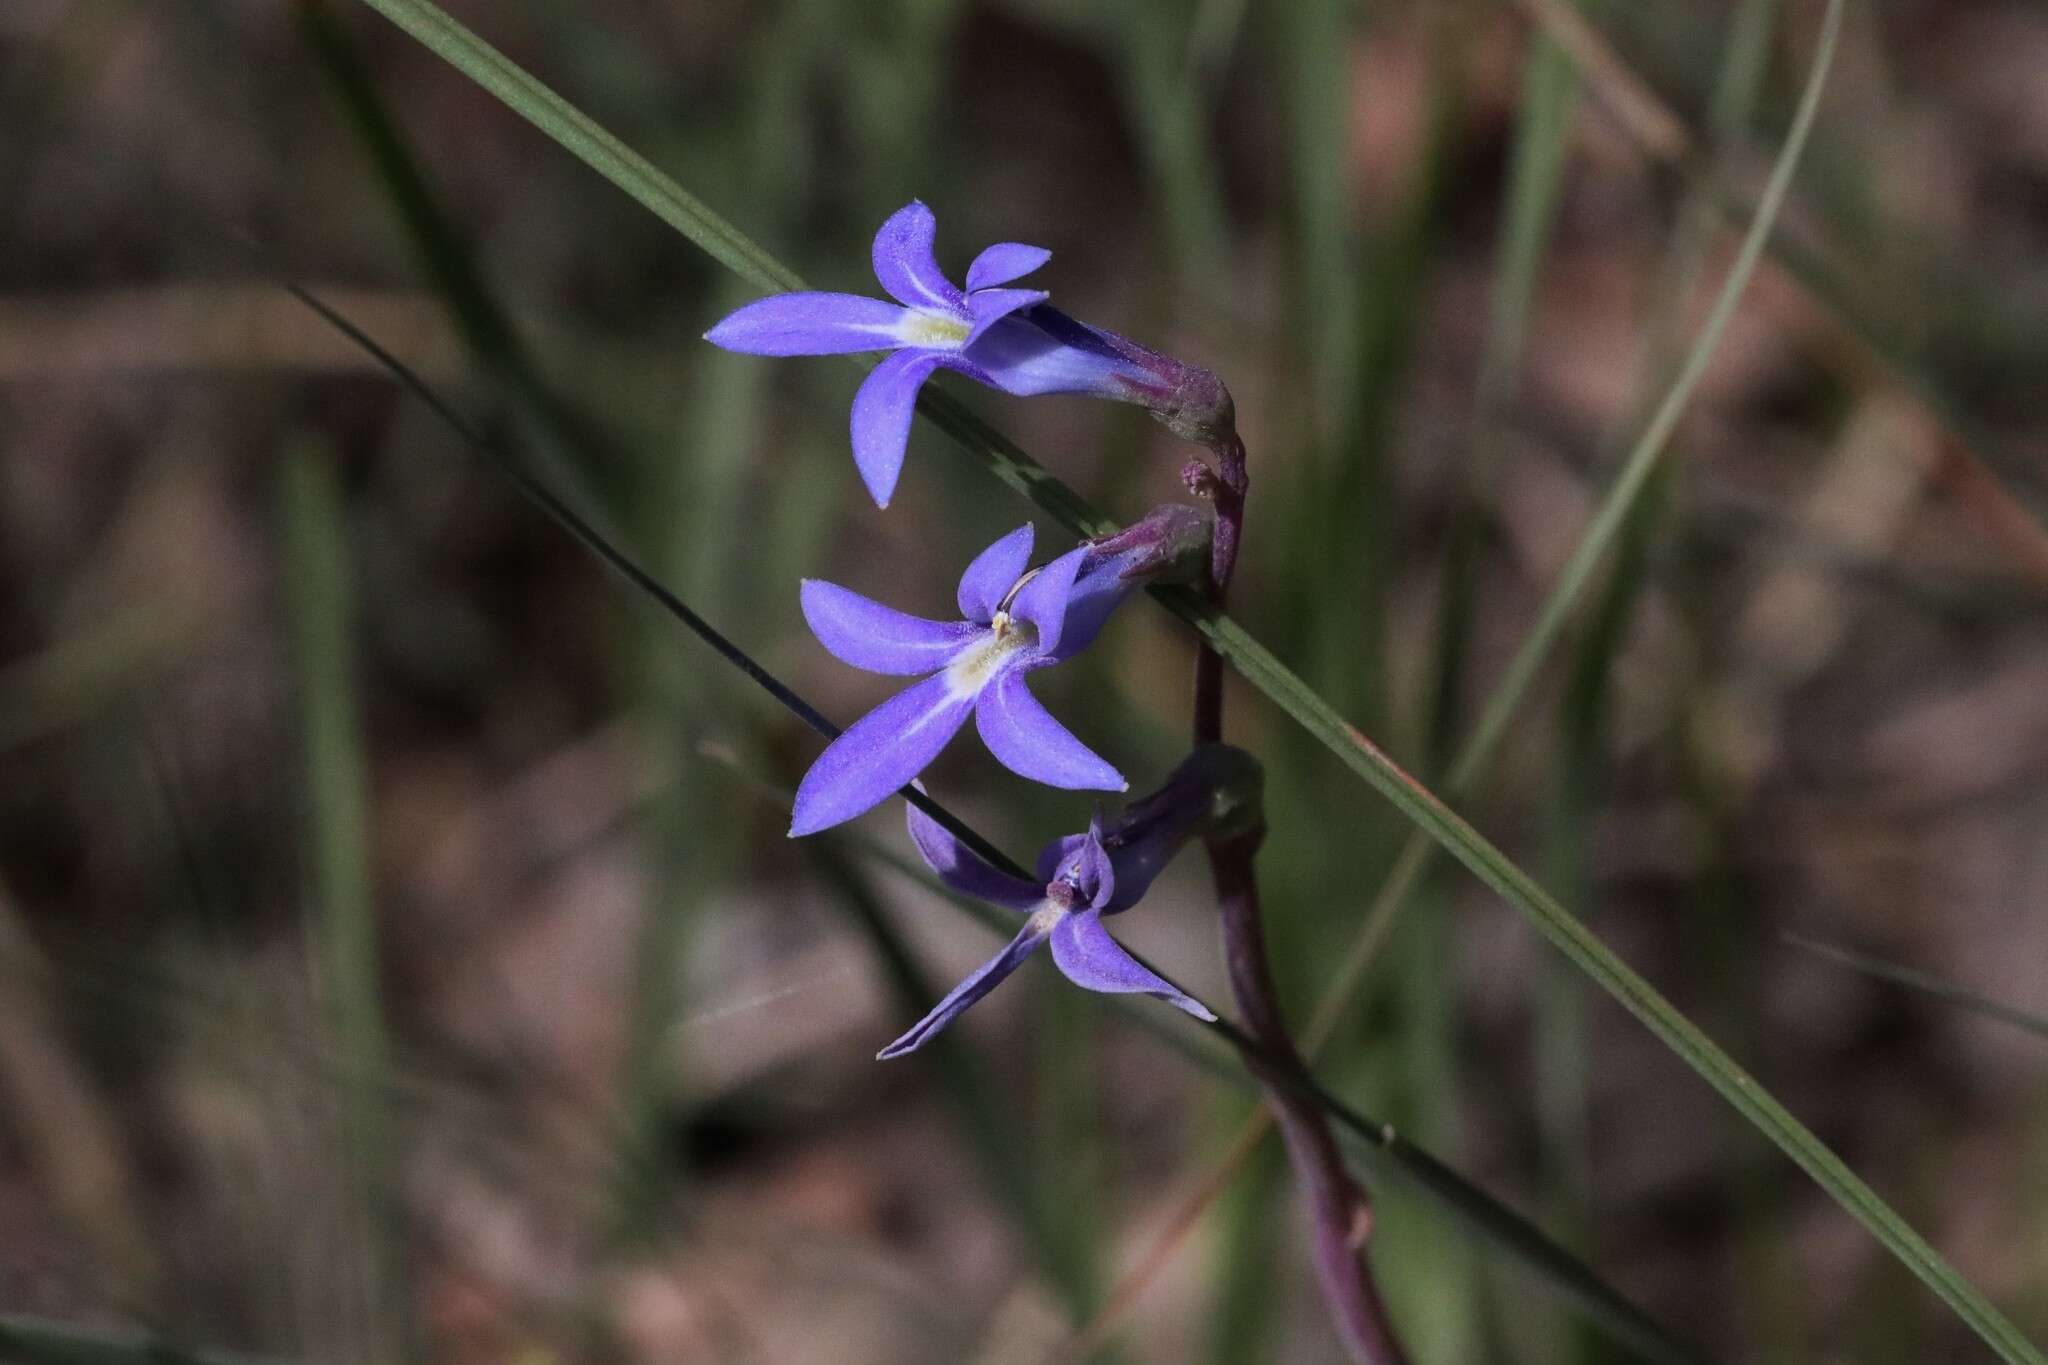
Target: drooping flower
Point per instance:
(1014, 622)
(1009, 339)
(1083, 878)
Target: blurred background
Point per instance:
(400, 954)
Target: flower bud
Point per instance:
(1169, 544)
(1188, 400)
(1217, 792)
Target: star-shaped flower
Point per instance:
(1009, 339)
(1014, 622)
(1083, 877)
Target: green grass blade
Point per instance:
(1169, 99)
(451, 264)
(1312, 50)
(41, 1341)
(1599, 537)
(1926, 983)
(1245, 1297)
(638, 177)
(579, 134)
(343, 931)
(1535, 187)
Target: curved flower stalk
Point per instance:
(1085, 878)
(1009, 339)
(1014, 622)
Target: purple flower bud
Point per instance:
(1169, 544)
(1040, 345)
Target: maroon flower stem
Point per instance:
(1338, 1210)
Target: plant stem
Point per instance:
(1339, 1213)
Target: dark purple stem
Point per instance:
(1339, 1213)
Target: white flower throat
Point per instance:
(973, 667)
(933, 331)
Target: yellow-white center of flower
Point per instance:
(932, 330)
(973, 666)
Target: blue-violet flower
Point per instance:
(1014, 622)
(1082, 878)
(1009, 339)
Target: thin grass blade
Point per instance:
(42, 1341)
(343, 930)
(1925, 983)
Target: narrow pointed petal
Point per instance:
(810, 324)
(1043, 601)
(1054, 855)
(980, 982)
(1094, 873)
(1003, 262)
(1092, 959)
(959, 867)
(991, 306)
(1026, 739)
(1137, 866)
(878, 755)
(881, 419)
(905, 265)
(992, 574)
(1098, 868)
(864, 633)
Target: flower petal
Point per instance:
(1043, 600)
(881, 419)
(1100, 866)
(1026, 739)
(878, 754)
(864, 633)
(905, 265)
(1092, 959)
(993, 573)
(1137, 865)
(1099, 589)
(1054, 855)
(1003, 262)
(809, 324)
(991, 306)
(979, 982)
(961, 868)
(1089, 871)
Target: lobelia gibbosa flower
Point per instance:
(1008, 339)
(1084, 878)
(1014, 622)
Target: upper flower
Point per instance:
(1014, 622)
(1082, 878)
(1008, 339)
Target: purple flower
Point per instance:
(1083, 877)
(1008, 339)
(1014, 622)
